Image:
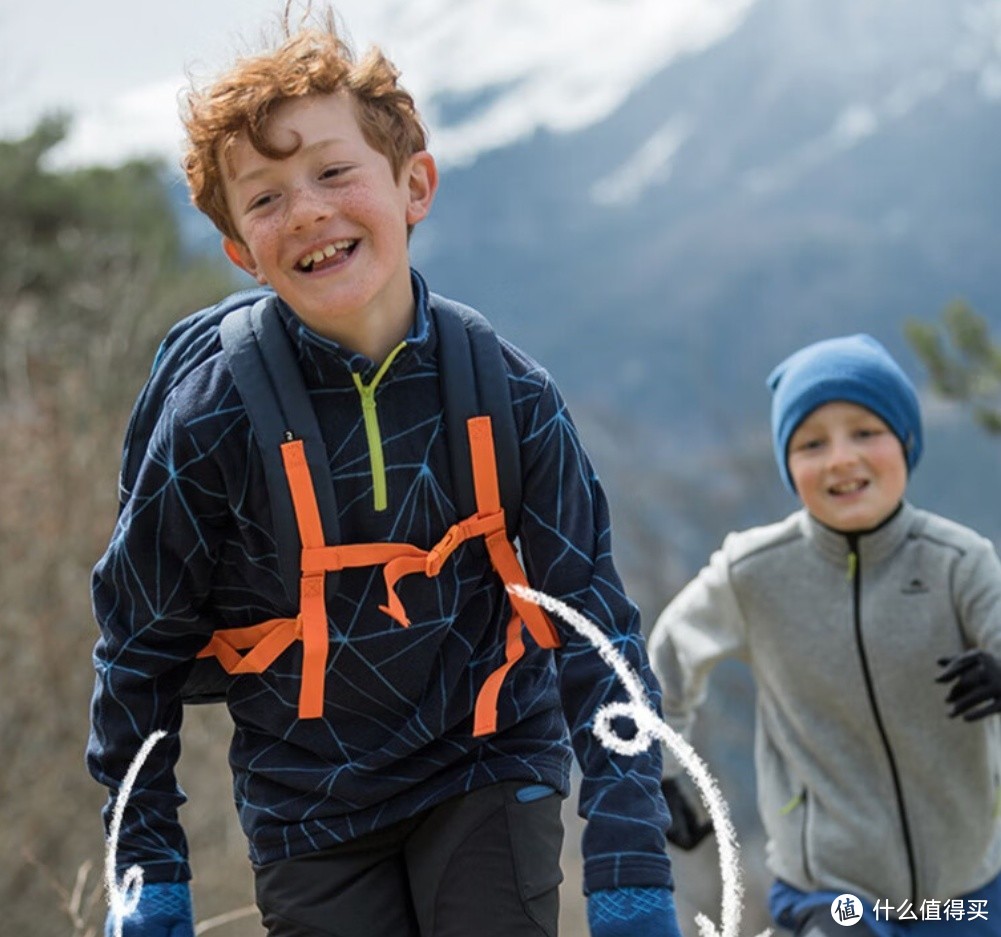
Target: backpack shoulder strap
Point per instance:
(270, 383)
(474, 382)
(189, 343)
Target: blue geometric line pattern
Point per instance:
(193, 552)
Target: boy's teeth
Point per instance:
(324, 253)
(847, 487)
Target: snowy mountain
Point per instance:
(491, 72)
(826, 166)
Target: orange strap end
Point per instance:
(505, 561)
(266, 642)
(485, 711)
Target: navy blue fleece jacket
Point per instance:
(193, 551)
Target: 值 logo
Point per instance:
(846, 910)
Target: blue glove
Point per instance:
(632, 912)
(164, 910)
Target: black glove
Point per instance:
(686, 830)
(977, 690)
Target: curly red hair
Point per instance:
(314, 60)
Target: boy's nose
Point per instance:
(306, 208)
(843, 452)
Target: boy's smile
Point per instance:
(327, 226)
(328, 256)
(848, 466)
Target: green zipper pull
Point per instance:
(372, 433)
(852, 565)
(374, 438)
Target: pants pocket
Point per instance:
(536, 831)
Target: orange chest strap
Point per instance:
(265, 642)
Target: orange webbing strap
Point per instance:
(312, 602)
(267, 641)
(502, 555)
(485, 712)
(505, 563)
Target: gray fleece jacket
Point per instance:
(864, 783)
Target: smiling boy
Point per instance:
(326, 226)
(847, 466)
(846, 612)
(390, 813)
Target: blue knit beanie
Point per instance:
(856, 369)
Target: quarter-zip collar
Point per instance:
(869, 546)
(327, 363)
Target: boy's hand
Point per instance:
(632, 912)
(977, 690)
(686, 830)
(164, 910)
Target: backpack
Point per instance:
(476, 404)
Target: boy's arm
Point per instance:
(698, 629)
(147, 590)
(974, 676)
(978, 597)
(566, 542)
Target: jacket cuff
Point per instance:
(622, 870)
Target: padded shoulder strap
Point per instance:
(474, 382)
(270, 382)
(188, 344)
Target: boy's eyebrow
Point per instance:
(253, 174)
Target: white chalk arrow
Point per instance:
(649, 726)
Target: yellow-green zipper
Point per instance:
(372, 433)
(792, 805)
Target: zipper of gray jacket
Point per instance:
(855, 573)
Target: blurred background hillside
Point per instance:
(659, 207)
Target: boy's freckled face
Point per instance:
(848, 467)
(327, 226)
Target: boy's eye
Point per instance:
(804, 445)
(332, 172)
(260, 201)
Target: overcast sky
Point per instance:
(118, 65)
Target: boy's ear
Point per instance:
(422, 183)
(241, 256)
